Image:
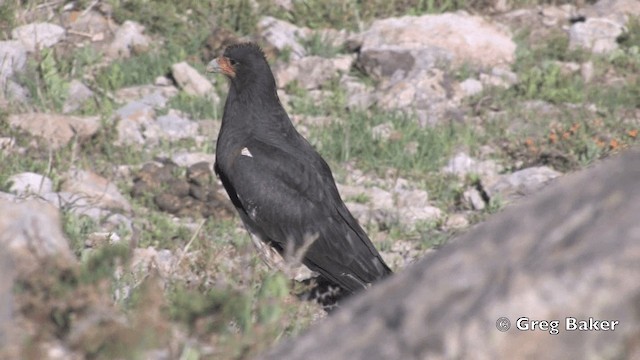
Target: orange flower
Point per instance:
(614, 144)
(633, 133)
(553, 137)
(566, 135)
(574, 128)
(599, 143)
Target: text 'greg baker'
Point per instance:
(570, 324)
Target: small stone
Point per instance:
(79, 93)
(30, 183)
(456, 221)
(598, 35)
(473, 198)
(56, 130)
(38, 35)
(192, 82)
(128, 39)
(471, 87)
(99, 190)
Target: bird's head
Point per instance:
(243, 64)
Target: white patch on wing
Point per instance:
(245, 151)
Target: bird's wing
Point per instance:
(292, 199)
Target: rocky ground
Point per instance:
(119, 240)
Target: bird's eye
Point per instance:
(232, 62)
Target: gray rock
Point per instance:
(30, 183)
(132, 119)
(79, 94)
(470, 87)
(283, 36)
(14, 58)
(128, 39)
(56, 130)
(425, 91)
(411, 198)
(456, 221)
(413, 43)
(382, 131)
(77, 204)
(7, 305)
(98, 190)
(473, 199)
(499, 77)
(192, 82)
(359, 95)
(30, 233)
(587, 71)
(413, 216)
(313, 71)
(616, 10)
(145, 259)
(186, 159)
(462, 165)
(596, 34)
(520, 183)
(153, 95)
(577, 239)
(170, 127)
(16, 92)
(36, 36)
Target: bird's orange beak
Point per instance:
(221, 65)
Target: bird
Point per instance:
(281, 187)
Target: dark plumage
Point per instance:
(282, 188)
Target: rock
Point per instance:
(520, 183)
(577, 239)
(462, 165)
(312, 72)
(36, 36)
(162, 261)
(57, 130)
(132, 119)
(95, 188)
(152, 95)
(359, 95)
(7, 305)
(412, 43)
(426, 92)
(30, 183)
(14, 58)
(587, 72)
(79, 94)
(16, 92)
(186, 159)
(616, 10)
(473, 199)
(412, 216)
(128, 39)
(411, 198)
(283, 36)
(596, 34)
(192, 82)
(77, 204)
(382, 132)
(456, 221)
(30, 233)
(170, 127)
(470, 87)
(499, 77)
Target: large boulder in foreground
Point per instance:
(571, 251)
